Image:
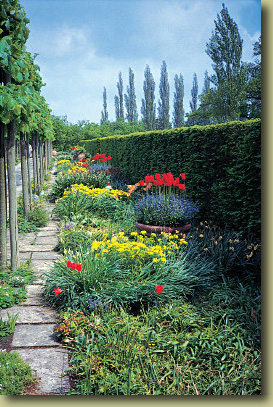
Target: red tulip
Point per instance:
(79, 267)
(159, 289)
(73, 266)
(141, 183)
(68, 263)
(183, 175)
(157, 176)
(181, 186)
(57, 291)
(109, 157)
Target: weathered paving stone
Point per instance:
(36, 248)
(41, 265)
(30, 314)
(34, 335)
(50, 364)
(34, 295)
(46, 240)
(45, 233)
(45, 256)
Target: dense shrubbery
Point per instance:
(161, 315)
(222, 163)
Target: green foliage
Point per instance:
(175, 348)
(7, 327)
(88, 178)
(38, 216)
(23, 275)
(9, 295)
(126, 274)
(222, 164)
(15, 374)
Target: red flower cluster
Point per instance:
(102, 158)
(74, 266)
(82, 164)
(167, 179)
(73, 148)
(159, 289)
(57, 291)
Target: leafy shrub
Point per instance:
(224, 161)
(25, 226)
(229, 251)
(38, 216)
(117, 277)
(172, 349)
(23, 275)
(15, 374)
(80, 199)
(9, 295)
(89, 178)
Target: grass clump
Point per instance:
(15, 374)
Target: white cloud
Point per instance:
(75, 73)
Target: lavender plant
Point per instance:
(169, 210)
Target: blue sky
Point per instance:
(84, 44)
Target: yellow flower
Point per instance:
(133, 233)
(201, 235)
(163, 259)
(155, 260)
(143, 232)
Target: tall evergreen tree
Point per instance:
(130, 99)
(194, 93)
(164, 101)
(178, 104)
(104, 113)
(148, 103)
(225, 50)
(120, 96)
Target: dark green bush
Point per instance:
(222, 164)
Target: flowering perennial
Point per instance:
(166, 180)
(101, 158)
(93, 192)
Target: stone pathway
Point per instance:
(34, 337)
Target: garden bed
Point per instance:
(167, 314)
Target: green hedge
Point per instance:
(222, 164)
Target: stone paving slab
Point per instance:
(50, 364)
(36, 248)
(30, 314)
(45, 256)
(34, 335)
(34, 294)
(46, 240)
(41, 265)
(46, 233)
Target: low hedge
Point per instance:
(222, 163)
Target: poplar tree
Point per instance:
(120, 96)
(104, 113)
(164, 101)
(225, 50)
(117, 112)
(194, 94)
(178, 104)
(148, 102)
(130, 99)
